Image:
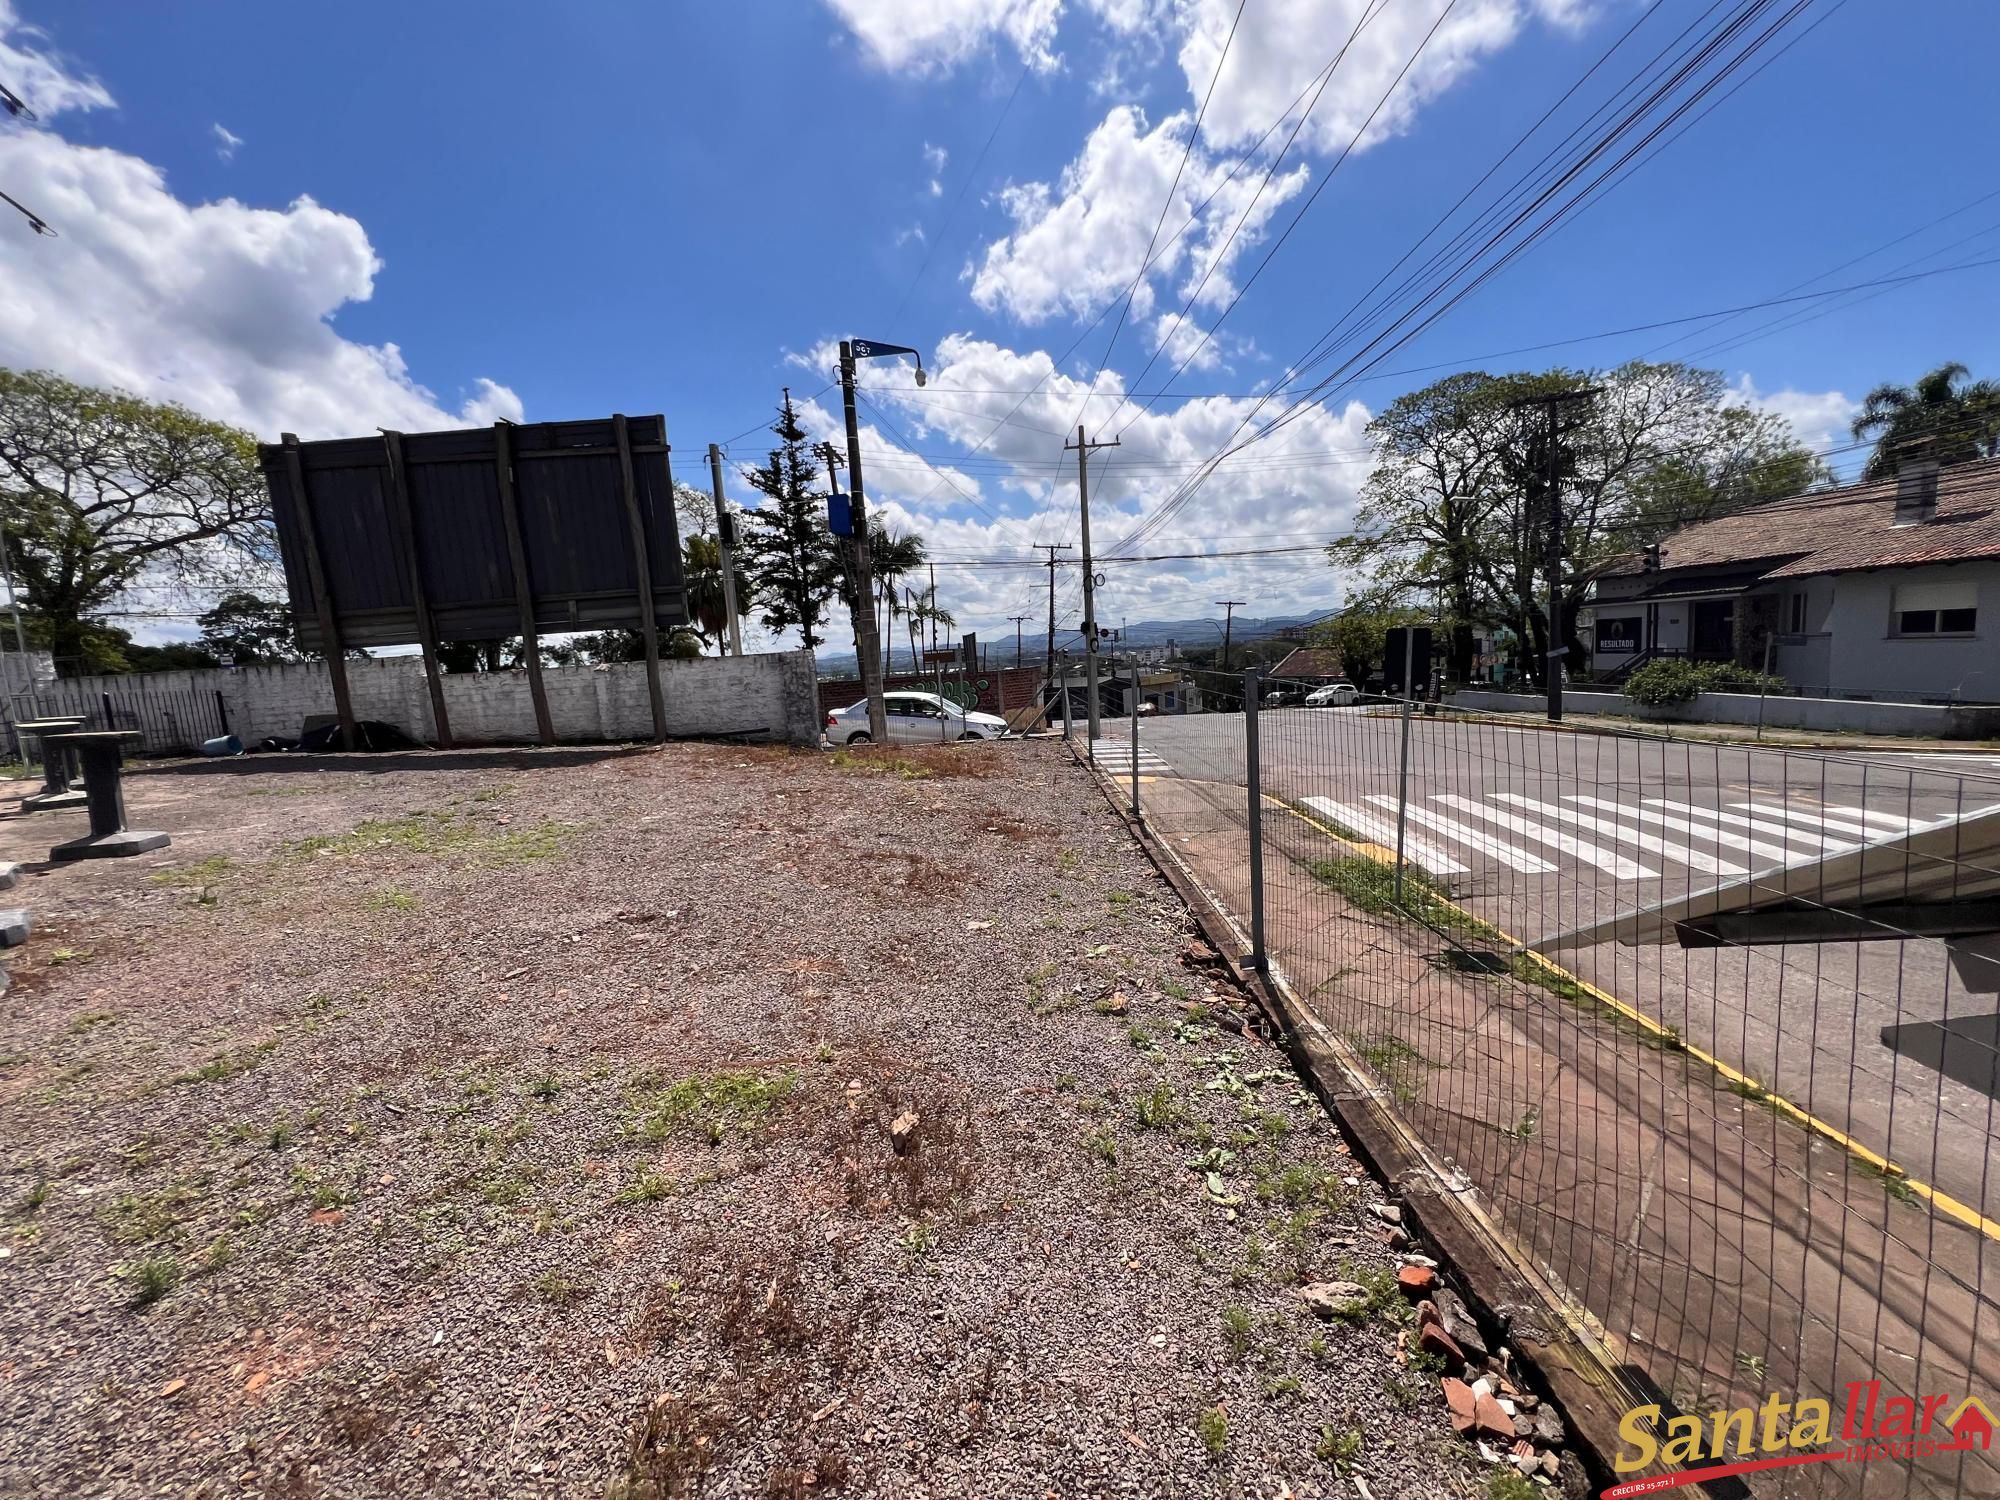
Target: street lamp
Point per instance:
(869, 656)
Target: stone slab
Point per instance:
(55, 801)
(111, 846)
(14, 925)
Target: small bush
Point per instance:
(1212, 1427)
(1671, 680)
(153, 1278)
(1238, 1332)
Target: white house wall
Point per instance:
(1865, 658)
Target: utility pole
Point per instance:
(1017, 619)
(1552, 498)
(725, 542)
(1049, 661)
(1083, 450)
(1228, 624)
(867, 641)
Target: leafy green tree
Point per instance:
(1358, 633)
(101, 490)
(1944, 416)
(788, 552)
(1457, 514)
(169, 656)
(247, 629)
(1439, 454)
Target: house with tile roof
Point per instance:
(1888, 589)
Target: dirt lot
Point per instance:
(526, 1123)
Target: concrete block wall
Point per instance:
(769, 695)
(1844, 715)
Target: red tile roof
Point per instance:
(1309, 661)
(1848, 529)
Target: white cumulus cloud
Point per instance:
(223, 306)
(934, 36)
(1079, 242)
(1821, 420)
(1281, 46)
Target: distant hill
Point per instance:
(1147, 633)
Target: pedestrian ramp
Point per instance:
(1615, 838)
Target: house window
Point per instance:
(1799, 613)
(1922, 609)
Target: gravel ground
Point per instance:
(528, 1123)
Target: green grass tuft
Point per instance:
(736, 1099)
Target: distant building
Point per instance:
(1315, 664)
(1885, 589)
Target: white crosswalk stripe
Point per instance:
(1847, 820)
(1365, 823)
(1450, 834)
(1116, 755)
(1473, 838)
(1625, 833)
(1815, 839)
(1619, 867)
(1776, 854)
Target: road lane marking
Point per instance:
(1693, 858)
(1362, 821)
(1619, 867)
(1776, 853)
(1816, 839)
(1951, 1207)
(1472, 838)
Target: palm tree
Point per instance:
(891, 557)
(701, 570)
(1943, 416)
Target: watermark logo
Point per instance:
(1783, 1434)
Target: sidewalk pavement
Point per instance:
(1725, 1249)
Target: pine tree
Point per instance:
(792, 559)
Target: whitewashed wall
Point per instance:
(768, 695)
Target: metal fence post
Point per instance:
(1254, 778)
(1403, 799)
(1135, 740)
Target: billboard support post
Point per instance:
(649, 625)
(329, 626)
(404, 530)
(517, 562)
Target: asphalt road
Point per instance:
(1541, 833)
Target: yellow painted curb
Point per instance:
(1941, 1201)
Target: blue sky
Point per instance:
(330, 219)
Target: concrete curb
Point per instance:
(1566, 1351)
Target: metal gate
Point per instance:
(172, 721)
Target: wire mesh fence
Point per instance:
(1711, 1029)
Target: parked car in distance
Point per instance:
(1284, 697)
(914, 718)
(1333, 695)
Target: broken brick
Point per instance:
(1458, 1396)
(1416, 1281)
(1432, 1339)
(1489, 1421)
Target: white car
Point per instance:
(914, 718)
(1333, 695)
